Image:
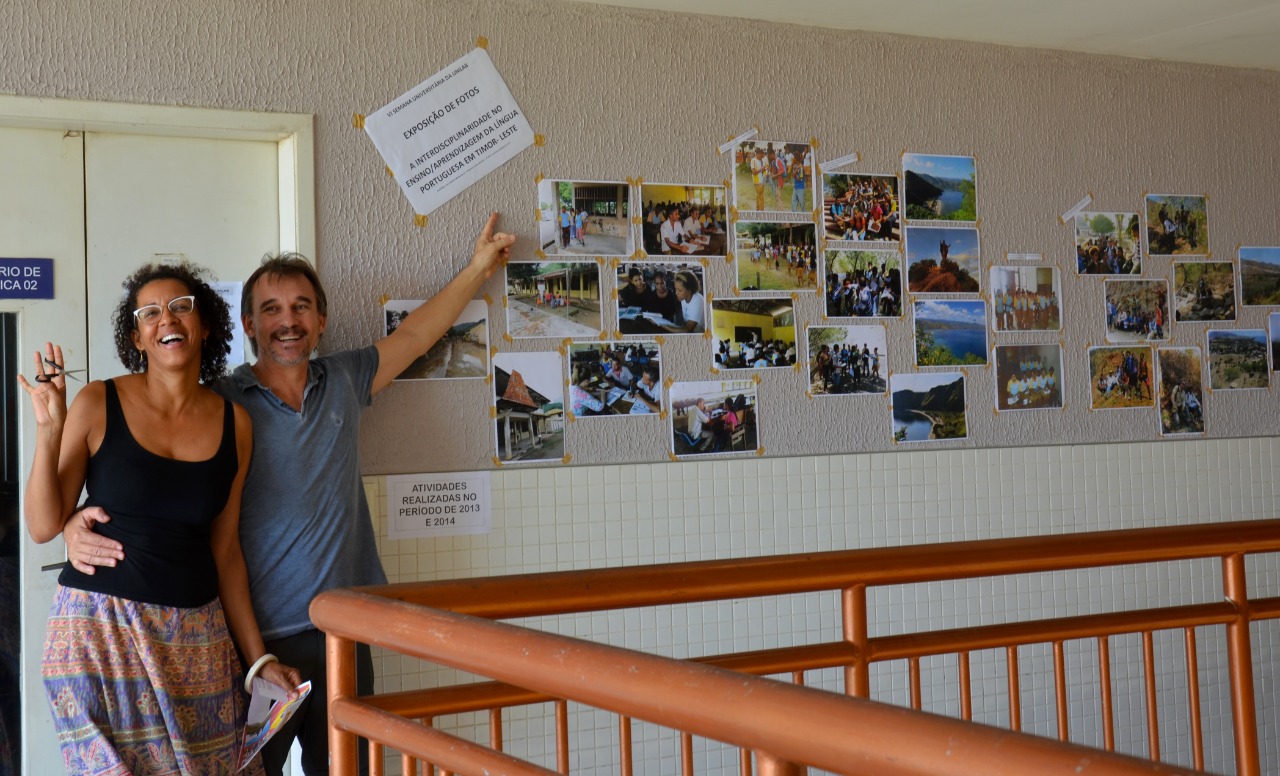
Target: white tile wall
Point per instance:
(586, 517)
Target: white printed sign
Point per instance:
(420, 506)
(230, 290)
(449, 131)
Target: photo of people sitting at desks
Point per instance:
(661, 299)
(753, 333)
(713, 417)
(615, 378)
(683, 220)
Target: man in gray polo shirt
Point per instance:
(304, 520)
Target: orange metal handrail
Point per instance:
(850, 573)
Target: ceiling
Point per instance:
(1233, 33)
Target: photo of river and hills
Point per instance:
(928, 406)
(951, 333)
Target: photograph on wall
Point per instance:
(1028, 377)
(586, 218)
(1237, 359)
(863, 284)
(462, 352)
(1026, 298)
(928, 406)
(528, 394)
(861, 208)
(772, 256)
(1273, 327)
(943, 260)
(1259, 275)
(1177, 225)
(847, 359)
(1121, 377)
(1136, 310)
(773, 176)
(614, 379)
(1108, 243)
(660, 298)
(714, 417)
(753, 333)
(1181, 391)
(1204, 291)
(939, 188)
(683, 220)
(950, 332)
(557, 299)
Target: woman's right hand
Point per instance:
(49, 394)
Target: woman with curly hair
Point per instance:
(139, 661)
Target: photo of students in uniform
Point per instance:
(928, 406)
(683, 220)
(528, 393)
(1237, 359)
(1028, 377)
(1121, 377)
(861, 208)
(1136, 310)
(943, 260)
(1177, 225)
(610, 379)
(1025, 299)
(587, 218)
(773, 176)
(775, 256)
(940, 188)
(950, 332)
(714, 417)
(1108, 243)
(847, 359)
(553, 299)
(863, 284)
(1181, 391)
(463, 350)
(1204, 291)
(1259, 276)
(753, 333)
(660, 298)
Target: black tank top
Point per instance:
(161, 511)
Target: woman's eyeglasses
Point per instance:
(180, 306)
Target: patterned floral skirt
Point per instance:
(143, 689)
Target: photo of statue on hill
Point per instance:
(1259, 276)
(1204, 291)
(939, 188)
(1237, 359)
(1177, 225)
(1137, 310)
(943, 260)
(1108, 243)
(928, 407)
(1181, 391)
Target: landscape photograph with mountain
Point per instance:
(1259, 275)
(939, 188)
(951, 332)
(928, 406)
(1238, 359)
(1204, 291)
(943, 260)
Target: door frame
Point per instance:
(294, 136)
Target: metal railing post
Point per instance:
(1240, 667)
(340, 656)
(853, 610)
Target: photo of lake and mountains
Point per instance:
(939, 188)
(928, 406)
(951, 332)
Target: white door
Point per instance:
(101, 201)
(42, 216)
(149, 198)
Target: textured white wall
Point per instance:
(623, 93)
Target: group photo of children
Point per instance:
(1121, 377)
(1028, 377)
(753, 333)
(847, 359)
(1108, 243)
(860, 207)
(1137, 310)
(863, 284)
(683, 220)
(773, 176)
(1025, 299)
